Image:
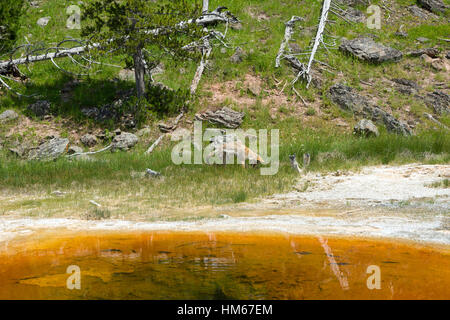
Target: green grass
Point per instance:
(444, 183)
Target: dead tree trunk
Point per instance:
(205, 6)
(139, 72)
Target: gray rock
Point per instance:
(89, 140)
(43, 21)
(432, 52)
(406, 86)
(238, 55)
(40, 109)
(50, 150)
(225, 116)
(74, 149)
(366, 128)
(124, 141)
(438, 101)
(418, 12)
(435, 6)
(447, 56)
(366, 49)
(422, 39)
(347, 99)
(8, 115)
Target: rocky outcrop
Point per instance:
(124, 141)
(347, 99)
(366, 128)
(8, 115)
(438, 101)
(89, 140)
(406, 86)
(225, 116)
(432, 52)
(421, 13)
(435, 6)
(49, 150)
(367, 49)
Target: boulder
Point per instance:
(419, 12)
(438, 101)
(40, 109)
(434, 6)
(225, 116)
(347, 99)
(438, 64)
(124, 141)
(8, 115)
(367, 49)
(89, 140)
(366, 128)
(50, 150)
(43, 21)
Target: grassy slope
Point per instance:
(302, 129)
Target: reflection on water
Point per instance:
(162, 265)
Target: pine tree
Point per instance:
(143, 30)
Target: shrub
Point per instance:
(165, 101)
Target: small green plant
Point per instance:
(239, 196)
(445, 183)
(310, 112)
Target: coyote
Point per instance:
(231, 146)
